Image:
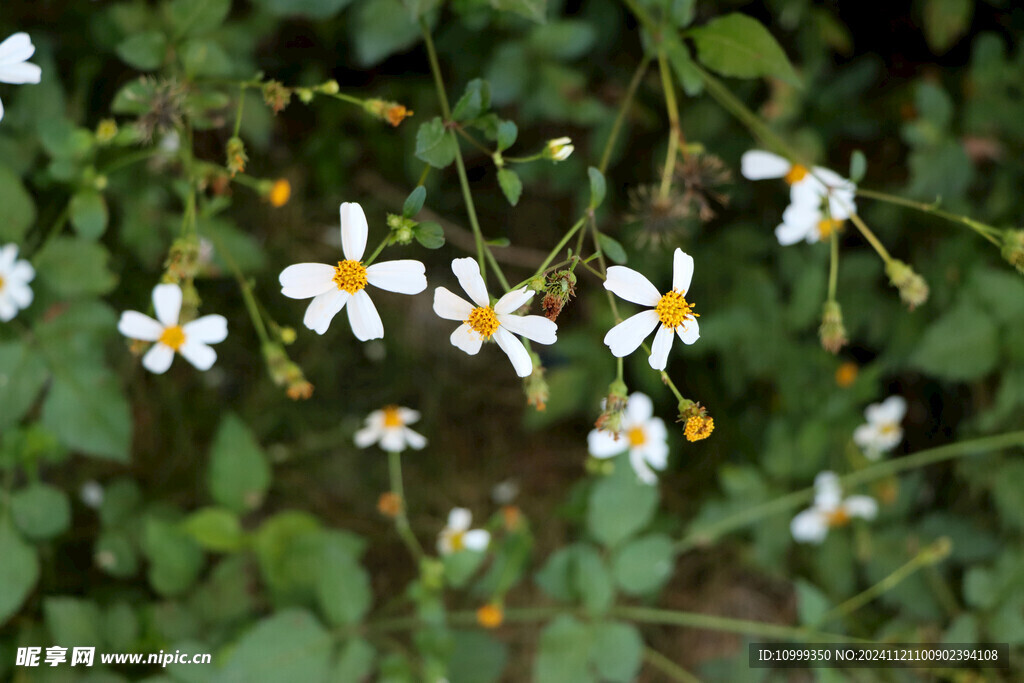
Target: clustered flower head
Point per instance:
(883, 432)
(641, 434)
(830, 510)
(389, 428)
(698, 425)
(15, 68)
(458, 536)
(391, 113)
(15, 274)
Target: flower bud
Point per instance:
(237, 157)
(536, 387)
(106, 130)
(305, 95)
(389, 504)
(280, 192)
(846, 374)
(276, 95)
(832, 332)
(390, 112)
(329, 87)
(613, 407)
(1013, 248)
(558, 149)
(913, 288)
(490, 615)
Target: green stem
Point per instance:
(931, 456)
(55, 229)
(241, 106)
(668, 667)
(561, 244)
(376, 252)
(251, 305)
(673, 120)
(401, 519)
(345, 98)
(870, 237)
(986, 231)
(634, 83)
(833, 266)
(650, 615)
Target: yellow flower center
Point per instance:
(280, 193)
(1, 282)
(827, 226)
(838, 517)
(173, 336)
(887, 429)
(637, 437)
(796, 174)
(698, 428)
(392, 418)
(483, 321)
(457, 540)
(350, 276)
(672, 309)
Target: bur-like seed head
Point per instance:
(832, 331)
(913, 288)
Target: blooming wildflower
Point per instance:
(699, 427)
(481, 321)
(805, 222)
(808, 186)
(388, 428)
(15, 68)
(490, 615)
(91, 494)
(671, 309)
(15, 294)
(830, 510)
(331, 287)
(280, 193)
(191, 340)
(883, 431)
(457, 535)
(558, 149)
(642, 434)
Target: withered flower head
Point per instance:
(700, 175)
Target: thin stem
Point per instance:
(251, 305)
(634, 83)
(344, 98)
(931, 456)
(833, 266)
(561, 244)
(241, 106)
(870, 237)
(650, 615)
(986, 231)
(129, 159)
(472, 140)
(376, 252)
(401, 519)
(668, 667)
(673, 120)
(55, 230)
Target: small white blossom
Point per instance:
(559, 149)
(15, 68)
(191, 340)
(457, 535)
(332, 287)
(389, 429)
(671, 309)
(642, 434)
(883, 431)
(15, 294)
(91, 494)
(808, 186)
(805, 222)
(481, 321)
(830, 510)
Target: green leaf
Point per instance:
(121, 500)
(553, 577)
(115, 554)
(740, 46)
(474, 101)
(434, 144)
(239, 473)
(88, 412)
(1000, 291)
(204, 57)
(564, 653)
(961, 345)
(288, 646)
(414, 202)
(620, 506)
(811, 603)
(75, 267)
(476, 658)
(290, 549)
(73, 622)
(120, 626)
(41, 511)
(19, 209)
(459, 567)
(616, 651)
(175, 558)
(344, 587)
(598, 187)
(429, 234)
(89, 214)
(611, 248)
(686, 71)
(534, 10)
(215, 529)
(195, 17)
(510, 184)
(945, 22)
(564, 39)
(22, 375)
(593, 581)
(858, 166)
(144, 51)
(507, 134)
(355, 661)
(19, 570)
(382, 28)
(644, 564)
(311, 9)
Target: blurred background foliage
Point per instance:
(237, 521)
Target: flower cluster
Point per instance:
(15, 68)
(830, 510)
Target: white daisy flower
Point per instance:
(671, 309)
(457, 535)
(642, 434)
(883, 431)
(15, 294)
(481, 321)
(191, 340)
(331, 287)
(808, 186)
(388, 428)
(15, 68)
(830, 510)
(805, 222)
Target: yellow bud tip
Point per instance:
(280, 193)
(397, 113)
(490, 615)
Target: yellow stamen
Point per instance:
(1, 282)
(392, 418)
(673, 308)
(838, 517)
(637, 437)
(173, 336)
(887, 429)
(827, 226)
(457, 539)
(483, 321)
(350, 276)
(280, 193)
(490, 616)
(698, 428)
(796, 174)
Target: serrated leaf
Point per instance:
(434, 144)
(961, 345)
(475, 101)
(144, 51)
(740, 46)
(611, 248)
(598, 187)
(510, 184)
(88, 212)
(429, 234)
(414, 202)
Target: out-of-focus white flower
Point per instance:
(457, 535)
(389, 429)
(642, 434)
(15, 294)
(671, 309)
(830, 510)
(91, 494)
(805, 222)
(191, 340)
(504, 492)
(481, 321)
(15, 68)
(559, 149)
(883, 431)
(808, 186)
(332, 287)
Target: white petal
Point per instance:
(459, 519)
(24, 72)
(405, 277)
(467, 270)
(135, 325)
(167, 303)
(626, 337)
(363, 317)
(515, 351)
(661, 346)
(392, 440)
(639, 409)
(466, 339)
(603, 444)
(1, 110)
(534, 327)
(655, 432)
(477, 539)
(630, 285)
(16, 48)
(864, 507)
(408, 415)
(23, 272)
(759, 165)
(8, 254)
(513, 301)
(788, 234)
(158, 358)
(646, 475)
(864, 436)
(414, 439)
(210, 329)
(201, 356)
(655, 454)
(682, 270)
(689, 331)
(827, 492)
(7, 308)
(809, 526)
(841, 204)
(306, 280)
(323, 308)
(808, 191)
(367, 436)
(20, 294)
(353, 231)
(890, 411)
(451, 306)
(444, 542)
